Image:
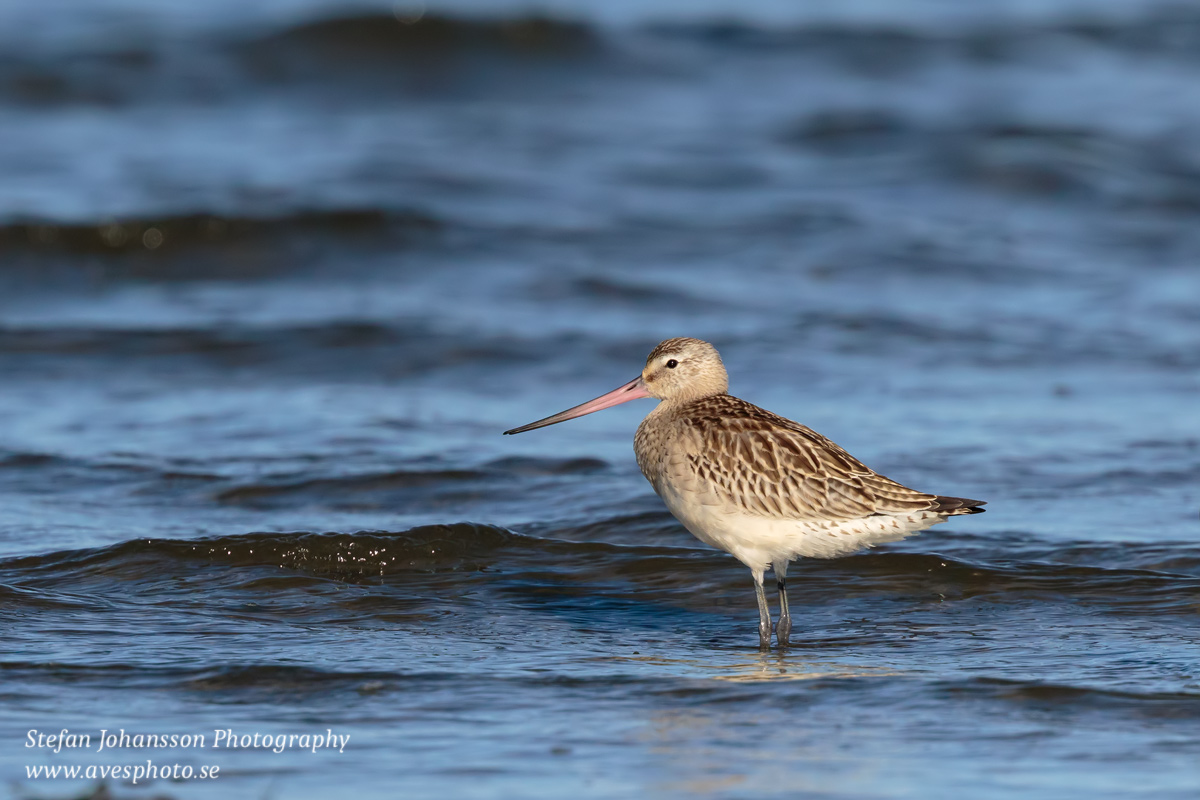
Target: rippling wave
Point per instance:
(1124, 579)
(171, 235)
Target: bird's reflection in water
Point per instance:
(761, 667)
(777, 666)
(748, 738)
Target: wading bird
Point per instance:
(762, 488)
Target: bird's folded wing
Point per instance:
(747, 458)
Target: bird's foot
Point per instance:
(783, 632)
(764, 638)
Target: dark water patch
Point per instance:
(1034, 160)
(1156, 481)
(432, 548)
(534, 465)
(919, 258)
(616, 678)
(654, 528)
(1165, 478)
(122, 343)
(137, 676)
(1162, 558)
(1051, 163)
(398, 489)
(1076, 699)
(23, 461)
(223, 679)
(1018, 342)
(1010, 155)
(105, 77)
(16, 598)
(504, 480)
(716, 175)
(358, 350)
(1007, 581)
(378, 490)
(1073, 164)
(614, 292)
(872, 47)
(849, 130)
(602, 288)
(437, 576)
(371, 37)
(737, 680)
(175, 235)
(1169, 30)
(294, 681)
(875, 329)
(407, 574)
(867, 48)
(241, 681)
(375, 52)
(1188, 445)
(548, 570)
(37, 474)
(379, 55)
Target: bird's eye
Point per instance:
(672, 364)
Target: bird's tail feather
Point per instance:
(953, 506)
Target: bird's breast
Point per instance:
(650, 445)
(666, 453)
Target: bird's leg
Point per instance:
(764, 613)
(784, 629)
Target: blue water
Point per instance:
(274, 277)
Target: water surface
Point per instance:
(274, 279)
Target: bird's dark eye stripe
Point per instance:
(672, 364)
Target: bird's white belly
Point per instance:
(759, 541)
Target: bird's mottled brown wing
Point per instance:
(769, 465)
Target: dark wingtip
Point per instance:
(959, 505)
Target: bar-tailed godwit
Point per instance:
(762, 488)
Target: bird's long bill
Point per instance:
(633, 390)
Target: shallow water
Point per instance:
(273, 280)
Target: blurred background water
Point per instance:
(274, 276)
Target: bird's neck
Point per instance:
(679, 401)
